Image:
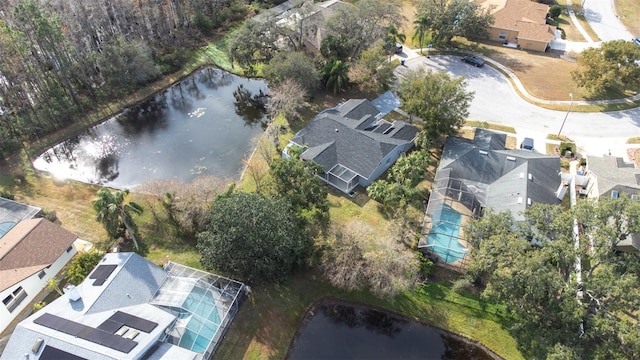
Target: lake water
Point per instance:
(204, 125)
(338, 331)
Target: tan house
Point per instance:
(32, 252)
(520, 23)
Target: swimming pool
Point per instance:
(443, 236)
(204, 321)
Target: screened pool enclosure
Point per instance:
(451, 203)
(204, 304)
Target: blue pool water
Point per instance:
(199, 332)
(443, 237)
(5, 227)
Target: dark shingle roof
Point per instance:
(333, 137)
(501, 177)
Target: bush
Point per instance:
(564, 163)
(7, 195)
(50, 215)
(462, 285)
(555, 11)
(567, 146)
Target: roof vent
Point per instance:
(72, 292)
(521, 175)
(530, 177)
(37, 345)
(336, 130)
(511, 158)
(529, 201)
(482, 152)
(519, 199)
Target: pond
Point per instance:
(204, 125)
(345, 331)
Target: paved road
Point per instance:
(496, 101)
(602, 17)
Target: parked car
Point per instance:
(527, 144)
(398, 48)
(473, 60)
(636, 41)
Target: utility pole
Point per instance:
(565, 116)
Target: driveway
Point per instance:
(496, 101)
(604, 21)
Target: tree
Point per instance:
(438, 99)
(113, 213)
(336, 75)
(555, 11)
(393, 36)
(127, 64)
(357, 257)
(399, 188)
(81, 265)
(253, 237)
(297, 181)
(365, 24)
(614, 65)
(335, 47)
(371, 71)
(532, 267)
(253, 42)
(295, 66)
(286, 98)
(422, 25)
(449, 18)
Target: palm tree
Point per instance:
(422, 25)
(112, 211)
(336, 75)
(393, 37)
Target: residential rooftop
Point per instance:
(130, 308)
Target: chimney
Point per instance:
(72, 292)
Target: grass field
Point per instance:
(628, 11)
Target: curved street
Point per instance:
(603, 19)
(496, 101)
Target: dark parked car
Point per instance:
(473, 60)
(527, 144)
(398, 48)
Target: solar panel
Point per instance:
(102, 273)
(133, 321)
(51, 353)
(88, 333)
(110, 326)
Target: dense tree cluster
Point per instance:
(568, 301)
(59, 58)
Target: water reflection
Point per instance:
(338, 331)
(250, 106)
(195, 127)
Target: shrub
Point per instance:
(555, 11)
(567, 146)
(7, 195)
(564, 163)
(462, 285)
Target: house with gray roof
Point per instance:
(611, 176)
(481, 173)
(353, 143)
(130, 308)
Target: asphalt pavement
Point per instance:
(603, 19)
(496, 101)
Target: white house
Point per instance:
(31, 252)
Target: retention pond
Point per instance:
(333, 330)
(204, 125)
